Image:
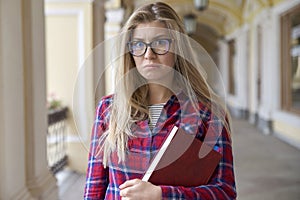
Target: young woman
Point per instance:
(159, 84)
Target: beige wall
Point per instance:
(69, 71)
(62, 60)
(290, 132)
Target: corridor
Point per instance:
(57, 54)
(266, 168)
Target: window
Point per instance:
(259, 66)
(231, 73)
(290, 56)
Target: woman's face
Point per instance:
(154, 66)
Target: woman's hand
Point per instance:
(137, 189)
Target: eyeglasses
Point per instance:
(139, 48)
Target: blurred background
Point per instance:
(49, 80)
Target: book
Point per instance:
(182, 160)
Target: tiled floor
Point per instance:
(266, 168)
(71, 185)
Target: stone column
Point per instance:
(113, 24)
(242, 71)
(269, 80)
(23, 165)
(98, 48)
(223, 63)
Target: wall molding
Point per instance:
(287, 117)
(285, 6)
(286, 139)
(79, 14)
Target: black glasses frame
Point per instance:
(149, 45)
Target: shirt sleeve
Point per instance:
(222, 183)
(96, 175)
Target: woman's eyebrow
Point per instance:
(156, 37)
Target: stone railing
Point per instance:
(56, 139)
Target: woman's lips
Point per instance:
(152, 65)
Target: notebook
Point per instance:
(179, 162)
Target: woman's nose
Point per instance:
(149, 54)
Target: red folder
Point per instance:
(180, 162)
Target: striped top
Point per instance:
(154, 112)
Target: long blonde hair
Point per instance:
(129, 107)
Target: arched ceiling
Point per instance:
(224, 16)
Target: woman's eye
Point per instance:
(159, 43)
(139, 45)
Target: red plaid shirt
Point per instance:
(103, 183)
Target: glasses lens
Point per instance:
(161, 46)
(137, 48)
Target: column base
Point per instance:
(238, 113)
(266, 126)
(23, 194)
(44, 187)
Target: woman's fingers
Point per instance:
(126, 187)
(129, 183)
(137, 189)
